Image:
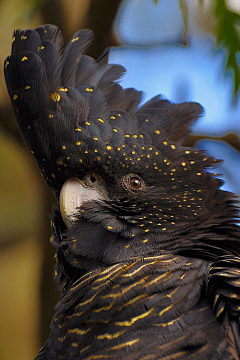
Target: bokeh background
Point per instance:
(185, 50)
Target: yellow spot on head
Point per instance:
(187, 152)
(95, 138)
(78, 143)
(183, 164)
(15, 97)
(199, 174)
(135, 136)
(164, 229)
(147, 230)
(119, 115)
(165, 142)
(64, 147)
(6, 65)
(27, 87)
(55, 97)
(173, 147)
(115, 130)
(108, 147)
(101, 120)
(88, 123)
(53, 175)
(22, 37)
(192, 162)
(63, 89)
(148, 156)
(144, 241)
(24, 58)
(75, 39)
(109, 227)
(29, 127)
(13, 39)
(157, 132)
(50, 116)
(113, 117)
(78, 129)
(127, 135)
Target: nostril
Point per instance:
(92, 178)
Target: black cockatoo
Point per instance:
(147, 246)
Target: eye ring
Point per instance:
(133, 183)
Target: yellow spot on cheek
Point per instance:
(6, 65)
(13, 39)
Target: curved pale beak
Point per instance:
(74, 194)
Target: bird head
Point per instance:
(125, 185)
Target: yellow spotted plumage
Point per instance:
(147, 249)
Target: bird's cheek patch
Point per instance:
(74, 194)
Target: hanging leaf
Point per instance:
(228, 39)
(184, 8)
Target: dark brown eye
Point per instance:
(132, 182)
(135, 183)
